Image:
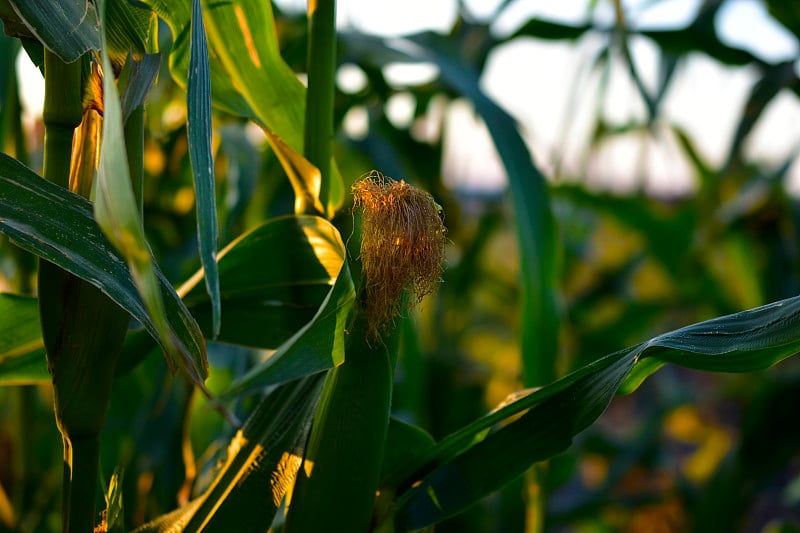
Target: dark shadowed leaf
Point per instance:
(262, 462)
(57, 225)
(318, 346)
(136, 80)
(198, 106)
(66, 27)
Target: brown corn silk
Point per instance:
(402, 245)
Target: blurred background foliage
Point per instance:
(688, 450)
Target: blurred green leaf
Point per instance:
(550, 30)
(774, 79)
(117, 215)
(22, 359)
(20, 331)
(66, 27)
(26, 368)
(785, 13)
(262, 462)
(198, 107)
(57, 225)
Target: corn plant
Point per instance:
(323, 288)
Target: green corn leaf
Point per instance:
(57, 225)
(117, 215)
(483, 456)
(250, 78)
(542, 432)
(131, 29)
(404, 442)
(283, 292)
(199, 134)
(135, 82)
(68, 28)
(262, 463)
(317, 346)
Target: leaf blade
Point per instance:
(200, 155)
(118, 217)
(57, 225)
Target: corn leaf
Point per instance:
(57, 225)
(262, 462)
(317, 346)
(27, 368)
(485, 455)
(118, 216)
(66, 27)
(265, 306)
(249, 77)
(199, 133)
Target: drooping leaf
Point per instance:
(483, 456)
(262, 462)
(318, 346)
(57, 225)
(542, 432)
(68, 28)
(198, 106)
(117, 215)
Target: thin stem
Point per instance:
(62, 113)
(81, 459)
(81, 328)
(318, 132)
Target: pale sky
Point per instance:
(555, 110)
